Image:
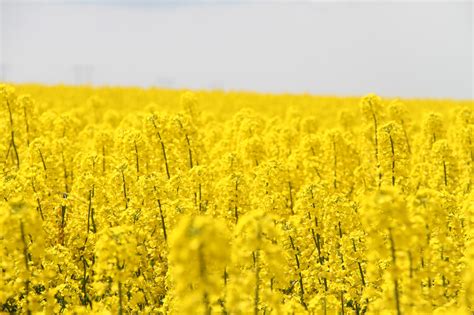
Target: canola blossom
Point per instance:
(126, 200)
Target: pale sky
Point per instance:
(407, 49)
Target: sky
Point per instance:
(397, 49)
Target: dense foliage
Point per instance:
(159, 201)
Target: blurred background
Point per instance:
(407, 49)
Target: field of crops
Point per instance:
(124, 200)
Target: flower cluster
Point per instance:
(122, 200)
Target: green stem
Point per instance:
(163, 225)
(89, 210)
(406, 136)
(15, 150)
(40, 208)
(124, 186)
(26, 260)
(393, 159)
(42, 160)
(163, 150)
(298, 266)
(27, 127)
(137, 162)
